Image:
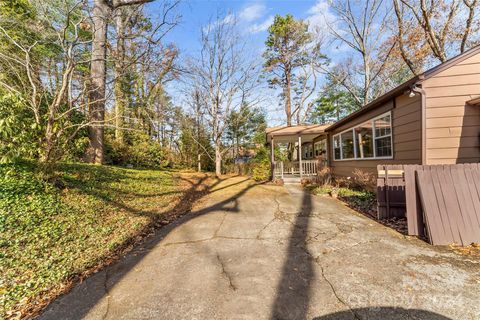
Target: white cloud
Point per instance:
(260, 27)
(321, 18)
(229, 19)
(252, 12)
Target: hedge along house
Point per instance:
(434, 118)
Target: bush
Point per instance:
(363, 180)
(261, 170)
(19, 134)
(324, 176)
(148, 154)
(138, 150)
(22, 137)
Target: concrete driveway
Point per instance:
(267, 252)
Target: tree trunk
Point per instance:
(120, 100)
(471, 14)
(366, 85)
(288, 102)
(401, 45)
(218, 159)
(97, 82)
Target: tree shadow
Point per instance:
(94, 288)
(383, 313)
(294, 288)
(81, 181)
(469, 140)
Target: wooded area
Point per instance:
(88, 80)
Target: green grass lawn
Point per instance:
(51, 233)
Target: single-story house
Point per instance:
(433, 118)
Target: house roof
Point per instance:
(406, 86)
(295, 130)
(307, 131)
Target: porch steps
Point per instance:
(291, 180)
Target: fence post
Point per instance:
(300, 155)
(387, 197)
(413, 206)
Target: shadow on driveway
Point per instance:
(292, 288)
(383, 313)
(293, 291)
(93, 290)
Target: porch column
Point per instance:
(327, 150)
(272, 157)
(300, 154)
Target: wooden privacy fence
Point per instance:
(439, 201)
(390, 191)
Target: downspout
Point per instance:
(417, 89)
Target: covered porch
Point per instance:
(297, 151)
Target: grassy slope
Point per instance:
(50, 233)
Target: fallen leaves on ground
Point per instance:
(471, 250)
(54, 235)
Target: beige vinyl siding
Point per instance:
(462, 69)
(407, 136)
(452, 127)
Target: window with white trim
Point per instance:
(364, 140)
(348, 149)
(383, 136)
(307, 151)
(320, 147)
(369, 140)
(337, 151)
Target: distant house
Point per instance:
(434, 118)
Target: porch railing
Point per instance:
(292, 168)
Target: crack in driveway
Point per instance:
(335, 292)
(226, 274)
(107, 293)
(272, 262)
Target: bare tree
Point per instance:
(224, 78)
(306, 84)
(136, 44)
(403, 27)
(121, 20)
(100, 14)
(361, 26)
(446, 25)
(471, 7)
(436, 30)
(60, 92)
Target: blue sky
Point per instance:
(253, 18)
